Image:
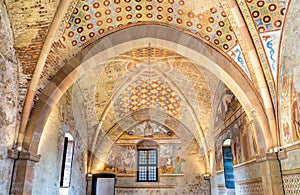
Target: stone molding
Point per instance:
(14, 154)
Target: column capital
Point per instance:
(23, 155)
(266, 157)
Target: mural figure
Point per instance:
(287, 137)
(247, 138)
(121, 159)
(236, 150)
(167, 163)
(296, 111)
(226, 107)
(219, 152)
(178, 164)
(148, 128)
(285, 116)
(296, 101)
(243, 142)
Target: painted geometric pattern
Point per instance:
(92, 19)
(154, 93)
(263, 17)
(107, 83)
(152, 52)
(270, 41)
(268, 17)
(66, 19)
(291, 184)
(253, 188)
(114, 73)
(196, 80)
(237, 54)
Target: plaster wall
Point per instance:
(8, 97)
(289, 100)
(47, 171)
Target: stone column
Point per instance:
(23, 173)
(271, 175)
(89, 184)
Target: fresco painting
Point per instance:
(247, 138)
(227, 106)
(122, 159)
(284, 105)
(170, 162)
(296, 103)
(243, 142)
(148, 129)
(219, 152)
(289, 104)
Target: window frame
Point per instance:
(228, 164)
(147, 165)
(67, 160)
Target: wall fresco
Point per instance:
(243, 143)
(228, 105)
(148, 128)
(289, 105)
(296, 104)
(122, 159)
(169, 160)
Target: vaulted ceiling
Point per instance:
(48, 34)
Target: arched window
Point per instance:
(147, 170)
(228, 165)
(67, 161)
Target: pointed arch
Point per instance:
(159, 36)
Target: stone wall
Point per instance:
(9, 112)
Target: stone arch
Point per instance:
(160, 36)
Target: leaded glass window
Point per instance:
(147, 165)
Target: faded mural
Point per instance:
(148, 129)
(227, 106)
(289, 104)
(243, 143)
(122, 159)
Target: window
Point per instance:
(147, 165)
(67, 161)
(228, 165)
(147, 170)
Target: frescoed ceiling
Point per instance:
(151, 78)
(48, 34)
